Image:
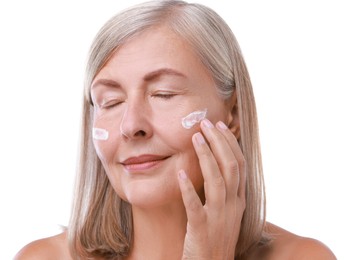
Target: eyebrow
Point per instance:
(105, 82)
(148, 77)
(161, 72)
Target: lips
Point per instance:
(143, 162)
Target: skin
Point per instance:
(189, 204)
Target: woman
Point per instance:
(170, 164)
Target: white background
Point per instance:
(295, 51)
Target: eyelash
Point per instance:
(165, 96)
(110, 104)
(113, 103)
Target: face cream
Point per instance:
(193, 118)
(100, 134)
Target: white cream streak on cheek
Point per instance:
(100, 134)
(193, 118)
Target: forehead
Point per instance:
(153, 49)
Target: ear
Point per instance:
(233, 121)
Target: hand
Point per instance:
(213, 228)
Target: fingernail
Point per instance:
(207, 123)
(221, 125)
(182, 175)
(199, 138)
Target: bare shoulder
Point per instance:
(55, 247)
(286, 245)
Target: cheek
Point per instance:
(168, 127)
(179, 139)
(105, 149)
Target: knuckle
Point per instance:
(233, 166)
(219, 181)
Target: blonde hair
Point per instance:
(101, 222)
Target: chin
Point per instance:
(151, 193)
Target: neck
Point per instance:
(159, 233)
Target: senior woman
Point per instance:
(170, 163)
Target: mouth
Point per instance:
(143, 162)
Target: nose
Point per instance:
(135, 123)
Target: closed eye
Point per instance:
(164, 95)
(107, 104)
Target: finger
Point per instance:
(224, 156)
(233, 142)
(214, 185)
(193, 205)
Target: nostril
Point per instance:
(140, 133)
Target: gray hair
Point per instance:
(197, 24)
(217, 48)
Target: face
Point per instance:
(140, 97)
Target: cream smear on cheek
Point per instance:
(193, 118)
(100, 134)
(187, 122)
